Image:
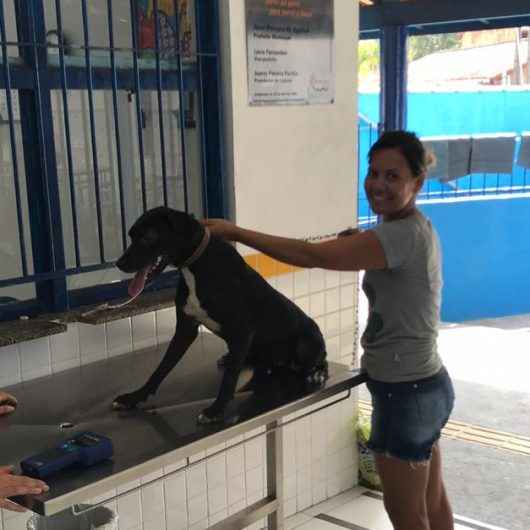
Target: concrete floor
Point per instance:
(489, 361)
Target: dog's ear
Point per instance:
(180, 222)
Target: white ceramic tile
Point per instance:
(65, 346)
(347, 277)
(129, 512)
(16, 522)
(154, 475)
(303, 302)
(201, 525)
(333, 348)
(321, 323)
(235, 461)
(236, 489)
(331, 504)
(317, 304)
(332, 300)
(197, 509)
(301, 283)
(254, 481)
(220, 448)
(217, 499)
(170, 468)
(304, 499)
(198, 456)
(176, 501)
(346, 343)
(35, 358)
(332, 324)
(143, 331)
(216, 471)
(166, 320)
(363, 511)
(217, 517)
(332, 279)
(317, 279)
(347, 320)
(286, 285)
(65, 365)
(9, 365)
(254, 452)
(236, 507)
(119, 337)
(289, 486)
(153, 503)
(289, 508)
(319, 491)
(296, 520)
(347, 296)
(196, 480)
(92, 342)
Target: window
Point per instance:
(103, 116)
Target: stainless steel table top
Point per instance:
(164, 431)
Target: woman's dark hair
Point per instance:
(410, 146)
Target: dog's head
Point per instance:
(159, 237)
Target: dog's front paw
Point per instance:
(210, 415)
(128, 401)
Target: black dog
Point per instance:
(261, 327)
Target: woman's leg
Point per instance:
(405, 491)
(438, 507)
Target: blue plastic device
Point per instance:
(83, 450)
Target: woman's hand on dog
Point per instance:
(221, 228)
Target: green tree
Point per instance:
(422, 45)
(368, 57)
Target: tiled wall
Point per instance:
(320, 459)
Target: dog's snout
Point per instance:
(124, 265)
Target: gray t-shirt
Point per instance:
(400, 339)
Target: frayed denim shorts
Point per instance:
(408, 418)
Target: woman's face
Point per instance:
(390, 186)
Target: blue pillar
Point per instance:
(393, 78)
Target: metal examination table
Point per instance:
(163, 432)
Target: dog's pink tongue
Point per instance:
(137, 284)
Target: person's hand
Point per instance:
(11, 485)
(8, 403)
(221, 228)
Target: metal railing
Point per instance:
(106, 109)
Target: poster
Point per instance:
(290, 52)
(170, 27)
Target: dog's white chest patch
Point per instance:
(192, 307)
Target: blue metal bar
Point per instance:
(93, 130)
(12, 138)
(22, 78)
(393, 77)
(39, 153)
(207, 17)
(66, 113)
(160, 104)
(181, 108)
(116, 123)
(139, 112)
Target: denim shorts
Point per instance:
(408, 417)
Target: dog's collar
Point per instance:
(199, 250)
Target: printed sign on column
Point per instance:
(290, 45)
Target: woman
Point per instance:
(412, 393)
(12, 485)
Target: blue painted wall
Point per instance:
(486, 257)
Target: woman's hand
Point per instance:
(8, 403)
(221, 228)
(11, 485)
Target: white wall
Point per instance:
(292, 167)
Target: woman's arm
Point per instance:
(361, 251)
